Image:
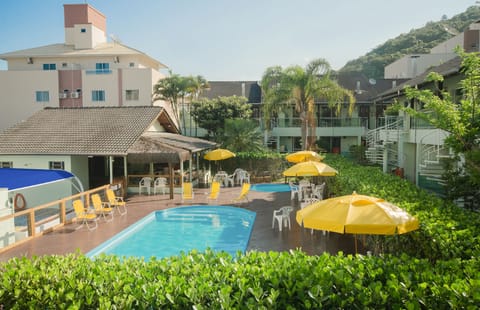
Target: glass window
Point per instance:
(98, 95)
(49, 67)
(6, 164)
(132, 94)
(56, 165)
(102, 66)
(42, 96)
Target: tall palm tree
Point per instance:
(197, 85)
(171, 89)
(301, 86)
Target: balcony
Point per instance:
(99, 71)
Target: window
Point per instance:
(98, 95)
(42, 96)
(64, 65)
(6, 164)
(102, 66)
(131, 94)
(83, 30)
(132, 64)
(56, 165)
(49, 67)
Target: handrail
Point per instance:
(62, 213)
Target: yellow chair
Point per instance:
(214, 191)
(83, 215)
(187, 191)
(100, 208)
(116, 202)
(243, 193)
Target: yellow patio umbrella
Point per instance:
(302, 156)
(219, 154)
(357, 214)
(310, 168)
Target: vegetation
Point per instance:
(242, 135)
(416, 41)
(211, 114)
(301, 86)
(462, 121)
(435, 267)
(176, 87)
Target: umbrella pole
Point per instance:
(355, 235)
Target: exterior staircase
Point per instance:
(382, 141)
(431, 155)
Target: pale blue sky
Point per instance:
(232, 39)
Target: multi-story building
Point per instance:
(84, 71)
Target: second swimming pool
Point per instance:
(172, 231)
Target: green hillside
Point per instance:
(416, 41)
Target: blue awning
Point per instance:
(16, 179)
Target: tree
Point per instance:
(196, 87)
(242, 135)
(301, 86)
(462, 121)
(211, 114)
(176, 87)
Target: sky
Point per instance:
(231, 40)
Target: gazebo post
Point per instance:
(172, 180)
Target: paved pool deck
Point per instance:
(69, 239)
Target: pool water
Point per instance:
(169, 232)
(270, 187)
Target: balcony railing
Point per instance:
(100, 71)
(322, 122)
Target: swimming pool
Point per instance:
(270, 187)
(172, 231)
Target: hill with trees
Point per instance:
(416, 41)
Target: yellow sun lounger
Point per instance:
(81, 214)
(214, 191)
(187, 191)
(244, 193)
(116, 202)
(100, 208)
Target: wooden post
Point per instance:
(63, 212)
(31, 223)
(172, 180)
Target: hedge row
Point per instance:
(253, 281)
(446, 231)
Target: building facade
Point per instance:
(84, 71)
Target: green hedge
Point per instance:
(446, 231)
(254, 281)
(435, 267)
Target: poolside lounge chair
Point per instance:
(214, 191)
(243, 193)
(100, 207)
(187, 191)
(81, 214)
(116, 202)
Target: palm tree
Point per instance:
(301, 86)
(197, 85)
(242, 135)
(170, 89)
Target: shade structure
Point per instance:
(219, 154)
(309, 169)
(357, 214)
(302, 156)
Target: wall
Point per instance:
(7, 228)
(17, 89)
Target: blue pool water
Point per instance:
(270, 187)
(169, 232)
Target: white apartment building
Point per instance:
(84, 71)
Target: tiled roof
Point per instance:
(249, 89)
(63, 50)
(79, 131)
(447, 68)
(191, 144)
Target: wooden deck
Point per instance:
(71, 239)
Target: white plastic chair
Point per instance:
(282, 216)
(145, 182)
(308, 201)
(160, 183)
(230, 180)
(294, 191)
(318, 191)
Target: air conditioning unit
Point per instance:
(75, 94)
(63, 95)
